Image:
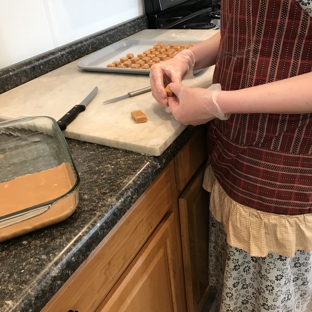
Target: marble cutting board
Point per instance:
(55, 93)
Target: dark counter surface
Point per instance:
(34, 266)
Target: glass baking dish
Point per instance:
(39, 183)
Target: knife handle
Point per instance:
(70, 116)
(140, 91)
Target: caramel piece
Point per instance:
(146, 59)
(123, 59)
(141, 55)
(136, 66)
(169, 92)
(138, 116)
(135, 59)
(111, 65)
(158, 45)
(145, 66)
(127, 63)
(141, 63)
(168, 47)
(130, 55)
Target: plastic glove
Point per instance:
(174, 70)
(195, 106)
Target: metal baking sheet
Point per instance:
(99, 60)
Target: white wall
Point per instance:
(31, 27)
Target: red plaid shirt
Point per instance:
(264, 161)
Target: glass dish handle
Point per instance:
(23, 216)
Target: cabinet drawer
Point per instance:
(89, 285)
(190, 158)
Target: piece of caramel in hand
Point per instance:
(169, 92)
(138, 116)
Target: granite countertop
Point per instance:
(35, 266)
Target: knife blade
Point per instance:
(127, 95)
(76, 110)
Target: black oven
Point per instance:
(183, 14)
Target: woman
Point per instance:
(260, 150)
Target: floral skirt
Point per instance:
(257, 284)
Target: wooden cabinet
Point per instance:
(139, 266)
(194, 214)
(129, 245)
(149, 284)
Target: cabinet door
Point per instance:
(194, 213)
(151, 283)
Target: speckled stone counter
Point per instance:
(36, 265)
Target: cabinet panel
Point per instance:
(194, 214)
(190, 158)
(89, 285)
(151, 283)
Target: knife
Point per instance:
(76, 110)
(129, 94)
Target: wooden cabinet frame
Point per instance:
(139, 265)
(151, 283)
(194, 220)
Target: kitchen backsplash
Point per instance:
(32, 27)
(22, 72)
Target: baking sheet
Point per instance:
(99, 60)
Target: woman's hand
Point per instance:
(173, 70)
(195, 106)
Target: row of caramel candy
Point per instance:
(159, 52)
